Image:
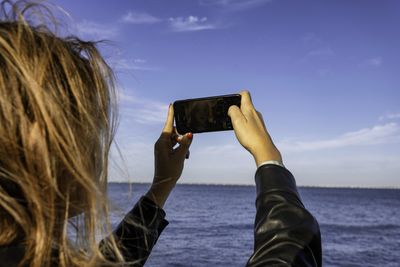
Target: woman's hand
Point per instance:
(168, 160)
(251, 132)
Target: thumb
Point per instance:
(169, 124)
(236, 116)
(184, 144)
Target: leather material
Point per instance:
(285, 232)
(137, 233)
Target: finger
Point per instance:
(246, 102)
(174, 137)
(178, 137)
(167, 141)
(169, 124)
(236, 116)
(184, 145)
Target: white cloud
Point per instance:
(323, 72)
(139, 60)
(219, 149)
(348, 168)
(96, 30)
(137, 164)
(191, 23)
(390, 116)
(134, 64)
(379, 134)
(143, 110)
(312, 40)
(322, 52)
(234, 5)
(139, 18)
(141, 122)
(375, 62)
(218, 158)
(316, 47)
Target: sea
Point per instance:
(212, 225)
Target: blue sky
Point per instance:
(325, 75)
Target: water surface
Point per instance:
(212, 225)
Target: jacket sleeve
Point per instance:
(285, 232)
(137, 233)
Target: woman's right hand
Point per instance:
(251, 132)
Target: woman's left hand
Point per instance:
(169, 161)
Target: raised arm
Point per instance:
(285, 232)
(136, 234)
(139, 231)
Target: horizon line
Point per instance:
(253, 185)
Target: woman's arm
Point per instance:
(285, 233)
(138, 232)
(168, 161)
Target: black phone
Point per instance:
(206, 114)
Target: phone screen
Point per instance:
(208, 114)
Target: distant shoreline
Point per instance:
(249, 185)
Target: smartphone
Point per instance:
(207, 114)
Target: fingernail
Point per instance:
(190, 135)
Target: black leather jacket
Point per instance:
(285, 232)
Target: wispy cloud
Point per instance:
(323, 72)
(131, 64)
(96, 30)
(390, 116)
(379, 134)
(321, 52)
(219, 149)
(374, 62)
(234, 5)
(139, 60)
(312, 40)
(143, 110)
(139, 18)
(191, 23)
(138, 159)
(315, 48)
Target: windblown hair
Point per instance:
(58, 117)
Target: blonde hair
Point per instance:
(58, 114)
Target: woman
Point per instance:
(58, 119)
